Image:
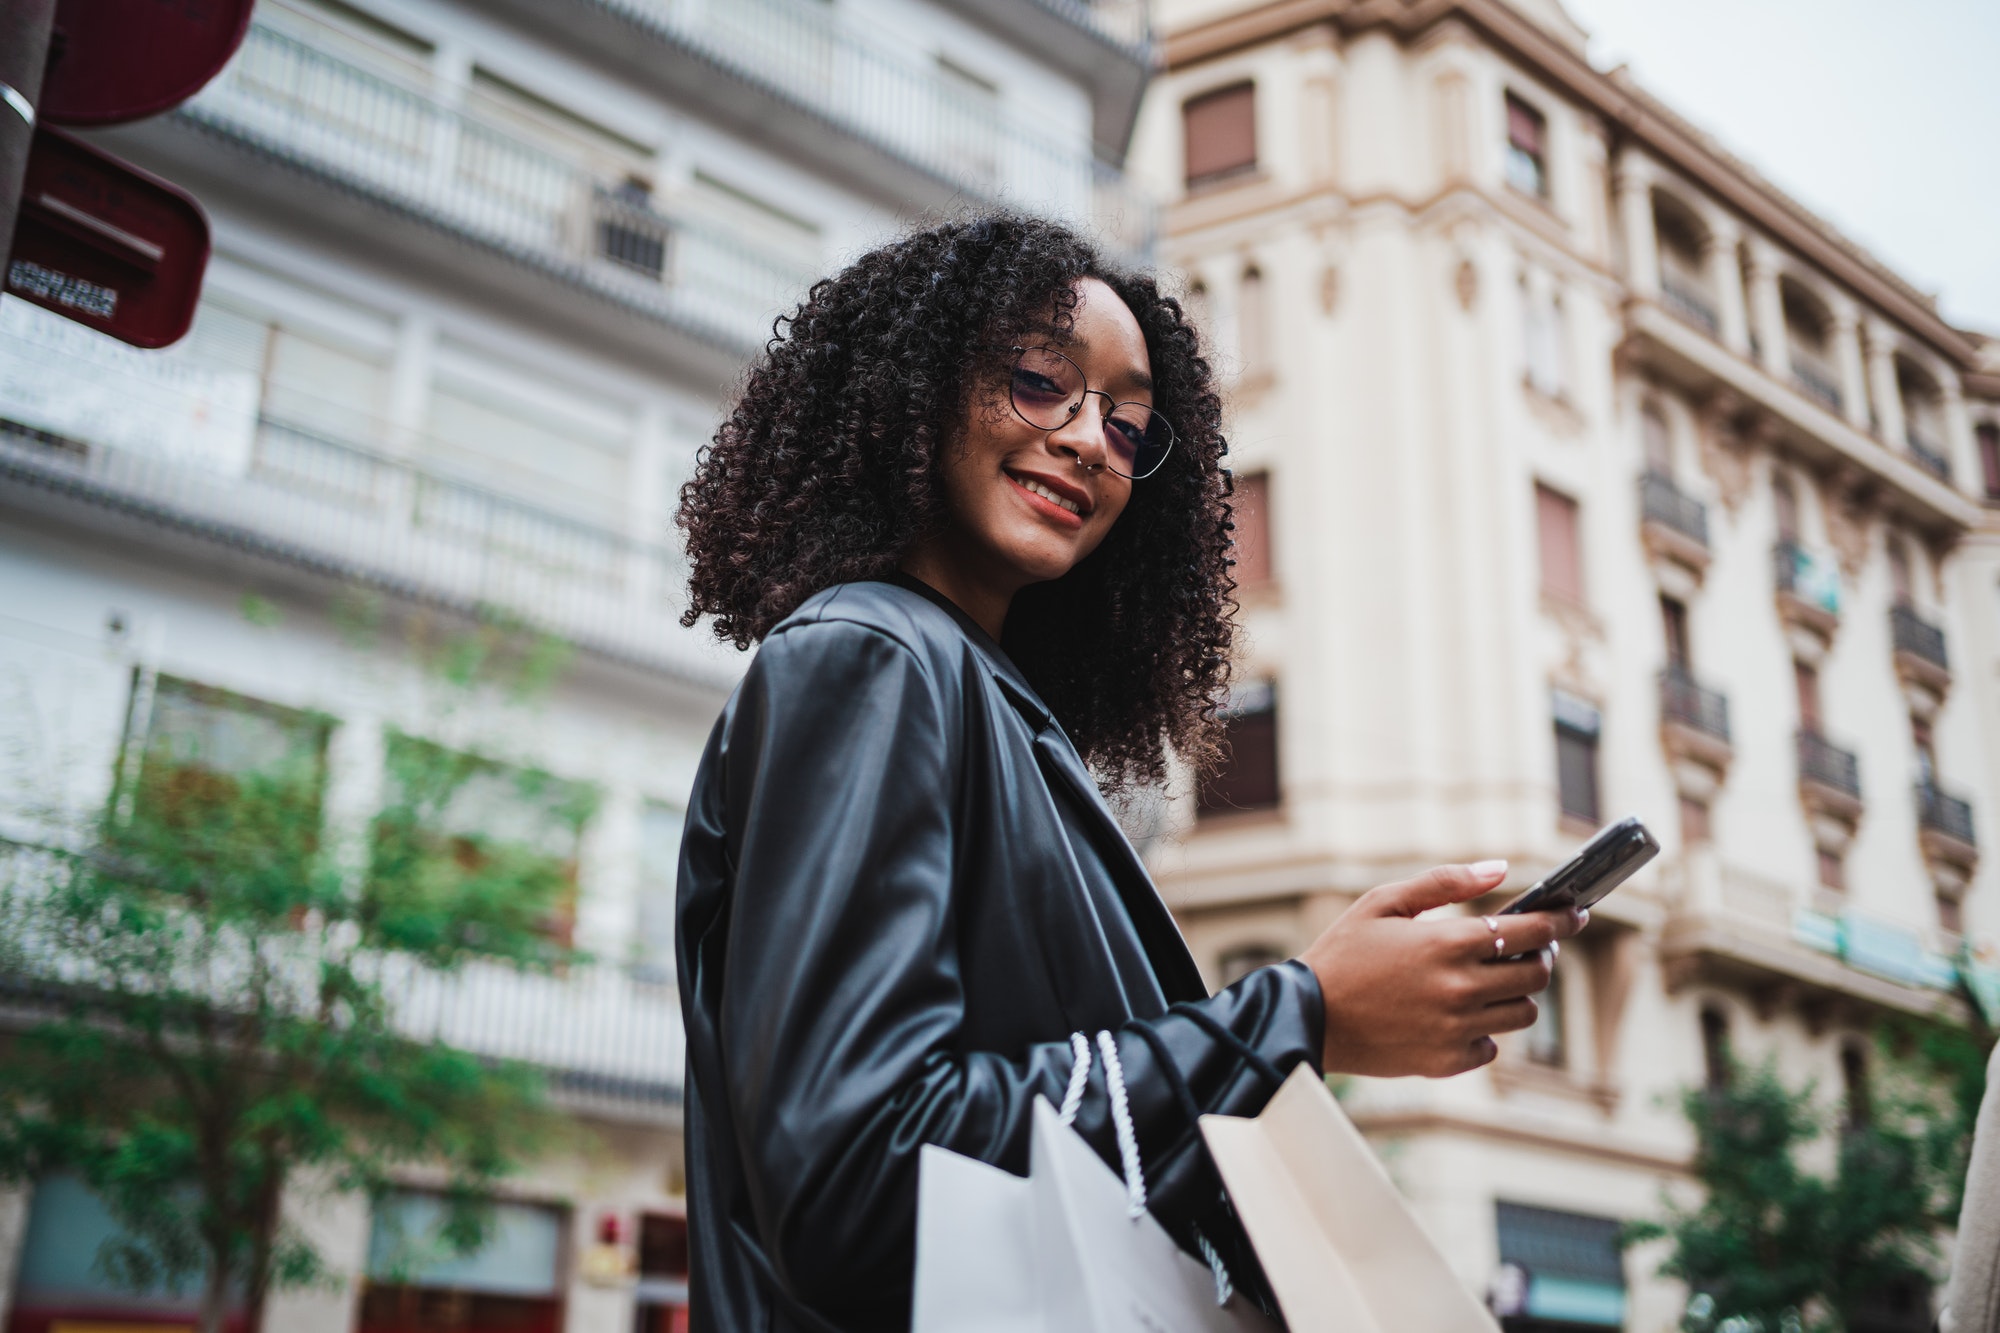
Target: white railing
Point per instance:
(400, 144)
(347, 512)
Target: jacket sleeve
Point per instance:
(842, 998)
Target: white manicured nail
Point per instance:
(1488, 869)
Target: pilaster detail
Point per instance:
(1882, 389)
(1767, 310)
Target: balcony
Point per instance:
(801, 79)
(333, 509)
(1808, 587)
(1688, 298)
(1829, 777)
(1818, 383)
(1672, 347)
(1694, 720)
(473, 191)
(1919, 648)
(1929, 455)
(1944, 826)
(1673, 524)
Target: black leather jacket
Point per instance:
(886, 936)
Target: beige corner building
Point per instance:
(1587, 474)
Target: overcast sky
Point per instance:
(1882, 118)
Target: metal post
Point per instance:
(25, 26)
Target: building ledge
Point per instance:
(1730, 949)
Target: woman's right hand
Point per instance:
(1405, 996)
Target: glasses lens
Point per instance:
(1138, 440)
(1047, 388)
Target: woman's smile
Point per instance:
(1062, 503)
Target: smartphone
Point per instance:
(1600, 865)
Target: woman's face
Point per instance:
(1028, 504)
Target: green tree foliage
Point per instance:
(1778, 1247)
(216, 973)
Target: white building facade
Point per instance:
(484, 274)
(1585, 474)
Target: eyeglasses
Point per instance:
(1048, 389)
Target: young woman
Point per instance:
(972, 505)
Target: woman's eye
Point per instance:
(1030, 382)
(1132, 434)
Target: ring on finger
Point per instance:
(1499, 946)
(1492, 924)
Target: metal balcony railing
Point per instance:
(579, 218)
(345, 511)
(1687, 701)
(1689, 299)
(1821, 761)
(1817, 383)
(1912, 634)
(1661, 501)
(907, 106)
(1929, 456)
(1944, 813)
(1811, 578)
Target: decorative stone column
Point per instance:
(1847, 363)
(1959, 445)
(1635, 219)
(1725, 277)
(1888, 399)
(1767, 310)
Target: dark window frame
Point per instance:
(1199, 174)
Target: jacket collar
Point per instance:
(1165, 947)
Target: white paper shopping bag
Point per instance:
(1063, 1251)
(1341, 1248)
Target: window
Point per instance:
(659, 871)
(1219, 133)
(1951, 914)
(1248, 776)
(1527, 148)
(663, 1274)
(1989, 458)
(1657, 439)
(1562, 562)
(454, 816)
(211, 761)
(1252, 505)
(1694, 821)
(1785, 503)
(1545, 1040)
(1832, 870)
(1543, 340)
(416, 1283)
(1805, 682)
(1900, 584)
(1674, 621)
(1577, 728)
(1921, 739)
(1716, 1061)
(1854, 1084)
(1238, 963)
(58, 1278)
(1571, 1271)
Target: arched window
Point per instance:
(1854, 1083)
(1684, 283)
(1785, 501)
(1809, 344)
(1923, 417)
(1718, 1065)
(1657, 438)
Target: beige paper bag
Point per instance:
(1342, 1249)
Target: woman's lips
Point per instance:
(1048, 508)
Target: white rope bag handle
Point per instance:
(1128, 1139)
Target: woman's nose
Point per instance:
(1082, 436)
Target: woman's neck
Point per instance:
(985, 602)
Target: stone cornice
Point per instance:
(1631, 113)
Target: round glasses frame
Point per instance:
(1154, 420)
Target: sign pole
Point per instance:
(24, 55)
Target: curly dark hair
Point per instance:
(826, 472)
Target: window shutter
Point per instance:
(1989, 459)
(1248, 776)
(1253, 534)
(1220, 132)
(1807, 680)
(1525, 126)
(1562, 567)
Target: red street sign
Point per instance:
(106, 244)
(119, 60)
